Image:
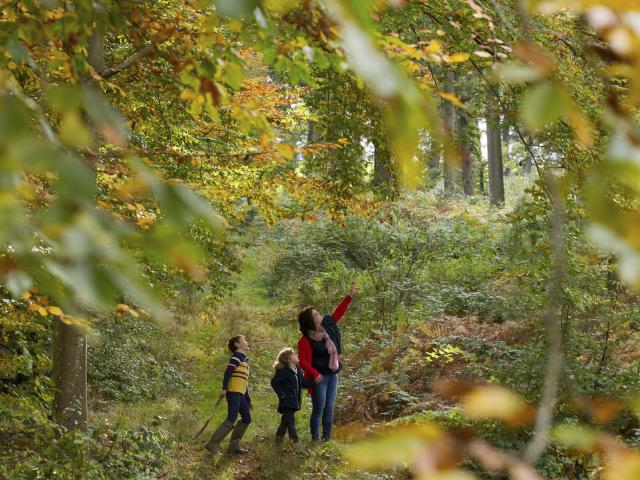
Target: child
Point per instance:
(235, 387)
(288, 383)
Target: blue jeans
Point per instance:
(237, 403)
(323, 398)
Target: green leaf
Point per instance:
(233, 75)
(106, 117)
(14, 119)
(236, 8)
(543, 105)
(64, 98)
(579, 437)
(18, 51)
(74, 132)
(517, 73)
(76, 180)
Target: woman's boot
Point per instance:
(236, 436)
(222, 431)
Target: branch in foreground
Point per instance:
(544, 418)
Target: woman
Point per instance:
(319, 350)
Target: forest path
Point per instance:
(201, 339)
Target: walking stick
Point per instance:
(215, 407)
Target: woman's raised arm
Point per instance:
(344, 305)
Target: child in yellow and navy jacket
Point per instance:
(235, 386)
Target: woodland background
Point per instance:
(173, 173)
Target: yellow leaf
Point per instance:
(55, 311)
(236, 25)
(42, 311)
(74, 132)
(451, 97)
(26, 296)
(433, 47)
(456, 58)
(69, 320)
(580, 126)
(281, 6)
(285, 150)
(493, 401)
(397, 446)
(623, 466)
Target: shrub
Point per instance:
(130, 359)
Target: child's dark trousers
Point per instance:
(288, 424)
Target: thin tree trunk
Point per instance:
(468, 181)
(312, 132)
(449, 168)
(506, 141)
(494, 158)
(527, 162)
(70, 375)
(96, 49)
(382, 167)
(434, 155)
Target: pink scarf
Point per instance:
(334, 358)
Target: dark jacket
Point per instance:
(288, 386)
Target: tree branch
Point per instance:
(128, 62)
(544, 418)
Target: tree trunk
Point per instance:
(96, 49)
(434, 153)
(468, 181)
(70, 341)
(70, 375)
(449, 168)
(506, 142)
(383, 178)
(494, 159)
(312, 132)
(527, 163)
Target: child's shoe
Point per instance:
(236, 436)
(213, 445)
